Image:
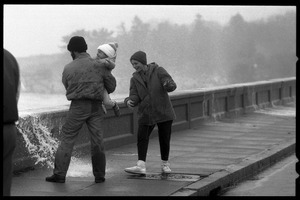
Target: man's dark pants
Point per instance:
(9, 144)
(80, 112)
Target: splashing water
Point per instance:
(279, 111)
(79, 167)
(42, 146)
(38, 140)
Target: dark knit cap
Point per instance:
(77, 43)
(139, 56)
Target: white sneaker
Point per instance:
(140, 168)
(165, 167)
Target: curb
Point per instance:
(233, 174)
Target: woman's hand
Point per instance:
(169, 85)
(130, 104)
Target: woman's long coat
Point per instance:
(152, 99)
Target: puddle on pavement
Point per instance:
(168, 177)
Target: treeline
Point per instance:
(197, 55)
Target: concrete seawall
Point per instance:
(191, 107)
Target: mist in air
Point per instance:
(200, 53)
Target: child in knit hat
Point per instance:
(107, 54)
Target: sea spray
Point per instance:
(79, 166)
(38, 140)
(42, 145)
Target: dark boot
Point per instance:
(56, 178)
(99, 180)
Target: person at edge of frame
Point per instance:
(11, 92)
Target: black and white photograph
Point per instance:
(149, 100)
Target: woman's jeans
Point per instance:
(80, 112)
(164, 134)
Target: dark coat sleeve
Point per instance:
(133, 93)
(166, 80)
(64, 80)
(11, 84)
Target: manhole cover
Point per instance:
(169, 177)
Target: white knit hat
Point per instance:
(109, 49)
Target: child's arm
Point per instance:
(110, 63)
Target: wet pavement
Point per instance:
(277, 181)
(203, 159)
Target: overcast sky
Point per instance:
(38, 29)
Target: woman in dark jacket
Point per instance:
(149, 87)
